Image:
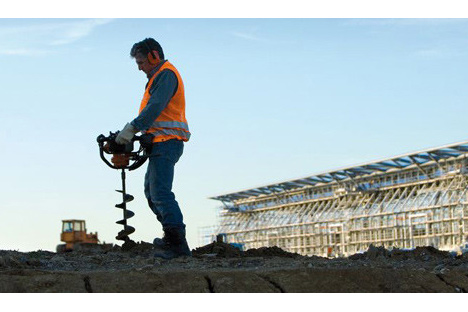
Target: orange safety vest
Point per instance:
(171, 123)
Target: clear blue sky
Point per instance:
(268, 100)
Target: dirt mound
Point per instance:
(270, 252)
(421, 253)
(141, 248)
(217, 249)
(425, 253)
(224, 250)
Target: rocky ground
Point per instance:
(219, 267)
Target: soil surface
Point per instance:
(220, 267)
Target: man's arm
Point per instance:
(162, 90)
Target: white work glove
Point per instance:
(126, 135)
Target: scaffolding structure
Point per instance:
(416, 199)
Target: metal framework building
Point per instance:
(416, 199)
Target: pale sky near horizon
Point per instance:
(268, 100)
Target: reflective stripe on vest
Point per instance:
(166, 131)
(170, 124)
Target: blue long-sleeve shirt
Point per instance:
(161, 91)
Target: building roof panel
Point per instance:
(379, 166)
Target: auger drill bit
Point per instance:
(107, 145)
(127, 214)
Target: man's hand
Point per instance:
(125, 136)
(120, 160)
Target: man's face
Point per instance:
(143, 64)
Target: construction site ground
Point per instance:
(221, 268)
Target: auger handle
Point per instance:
(139, 157)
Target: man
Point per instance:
(162, 113)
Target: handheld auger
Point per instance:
(122, 156)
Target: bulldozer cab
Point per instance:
(73, 231)
(73, 226)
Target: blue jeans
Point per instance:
(158, 183)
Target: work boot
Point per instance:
(160, 242)
(176, 245)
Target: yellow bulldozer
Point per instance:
(75, 237)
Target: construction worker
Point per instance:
(162, 114)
